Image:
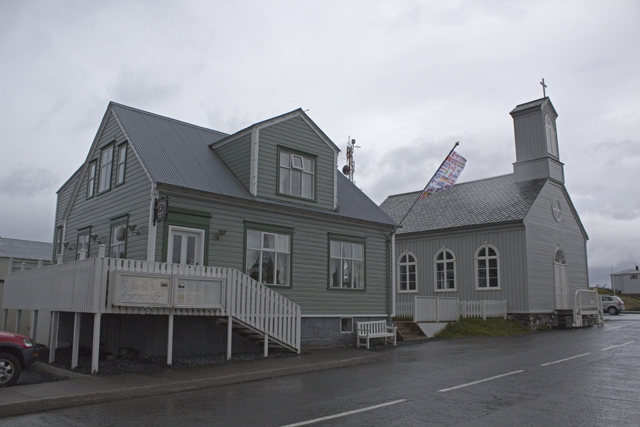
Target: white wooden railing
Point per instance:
(90, 286)
(436, 309)
(587, 303)
(447, 309)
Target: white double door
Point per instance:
(186, 245)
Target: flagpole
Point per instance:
(425, 187)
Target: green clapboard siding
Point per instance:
(237, 155)
(131, 198)
(295, 134)
(310, 257)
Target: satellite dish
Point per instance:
(121, 233)
(346, 170)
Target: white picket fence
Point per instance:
(90, 286)
(447, 309)
(483, 308)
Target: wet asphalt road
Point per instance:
(585, 377)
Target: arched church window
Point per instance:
(445, 271)
(487, 268)
(408, 273)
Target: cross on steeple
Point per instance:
(544, 87)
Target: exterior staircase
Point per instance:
(408, 331)
(253, 334)
(562, 319)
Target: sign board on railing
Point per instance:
(161, 290)
(198, 293)
(148, 290)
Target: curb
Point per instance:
(43, 367)
(59, 402)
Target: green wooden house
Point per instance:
(268, 201)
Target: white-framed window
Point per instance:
(296, 175)
(407, 273)
(634, 277)
(346, 264)
(118, 241)
(346, 325)
(487, 268)
(59, 244)
(91, 181)
(552, 141)
(445, 271)
(268, 257)
(84, 237)
(559, 257)
(106, 160)
(185, 245)
(122, 159)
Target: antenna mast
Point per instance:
(350, 168)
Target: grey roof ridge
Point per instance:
(25, 240)
(455, 185)
(248, 129)
(166, 118)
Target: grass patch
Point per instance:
(631, 302)
(476, 327)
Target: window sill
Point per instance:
(445, 290)
(408, 292)
(488, 289)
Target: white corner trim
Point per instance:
(255, 145)
(335, 180)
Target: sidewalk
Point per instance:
(18, 400)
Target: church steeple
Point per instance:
(537, 154)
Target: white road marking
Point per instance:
(344, 414)
(619, 345)
(479, 381)
(564, 360)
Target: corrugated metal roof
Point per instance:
(352, 202)
(25, 249)
(520, 109)
(178, 153)
(488, 201)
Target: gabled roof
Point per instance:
(274, 120)
(488, 201)
(532, 105)
(178, 154)
(25, 249)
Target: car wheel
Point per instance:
(612, 310)
(10, 369)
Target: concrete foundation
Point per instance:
(532, 320)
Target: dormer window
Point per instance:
(296, 175)
(552, 141)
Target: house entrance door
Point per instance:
(186, 245)
(561, 280)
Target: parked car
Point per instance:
(17, 352)
(612, 304)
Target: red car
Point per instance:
(16, 353)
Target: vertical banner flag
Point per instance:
(446, 176)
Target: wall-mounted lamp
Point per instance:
(94, 237)
(68, 246)
(132, 229)
(221, 233)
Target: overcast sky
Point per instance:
(406, 79)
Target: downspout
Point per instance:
(393, 274)
(151, 238)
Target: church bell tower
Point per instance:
(537, 153)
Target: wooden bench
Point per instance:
(376, 329)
